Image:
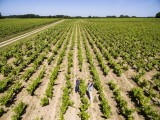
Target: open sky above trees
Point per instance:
(139, 8)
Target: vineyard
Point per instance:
(121, 56)
(10, 27)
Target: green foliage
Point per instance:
(66, 98)
(106, 109)
(10, 93)
(5, 70)
(112, 85)
(85, 103)
(125, 110)
(144, 103)
(32, 87)
(44, 101)
(80, 57)
(49, 90)
(156, 80)
(104, 68)
(84, 115)
(82, 88)
(28, 74)
(5, 83)
(118, 70)
(14, 26)
(18, 111)
(158, 15)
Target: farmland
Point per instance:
(9, 27)
(121, 56)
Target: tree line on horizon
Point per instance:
(66, 16)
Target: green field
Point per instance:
(13, 26)
(121, 56)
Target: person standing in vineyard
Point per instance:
(89, 89)
(77, 85)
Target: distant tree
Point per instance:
(36, 16)
(113, 16)
(95, 17)
(78, 17)
(0, 15)
(60, 16)
(124, 16)
(150, 17)
(89, 16)
(24, 16)
(121, 16)
(158, 15)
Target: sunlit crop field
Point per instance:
(13, 26)
(121, 56)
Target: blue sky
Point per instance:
(140, 8)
